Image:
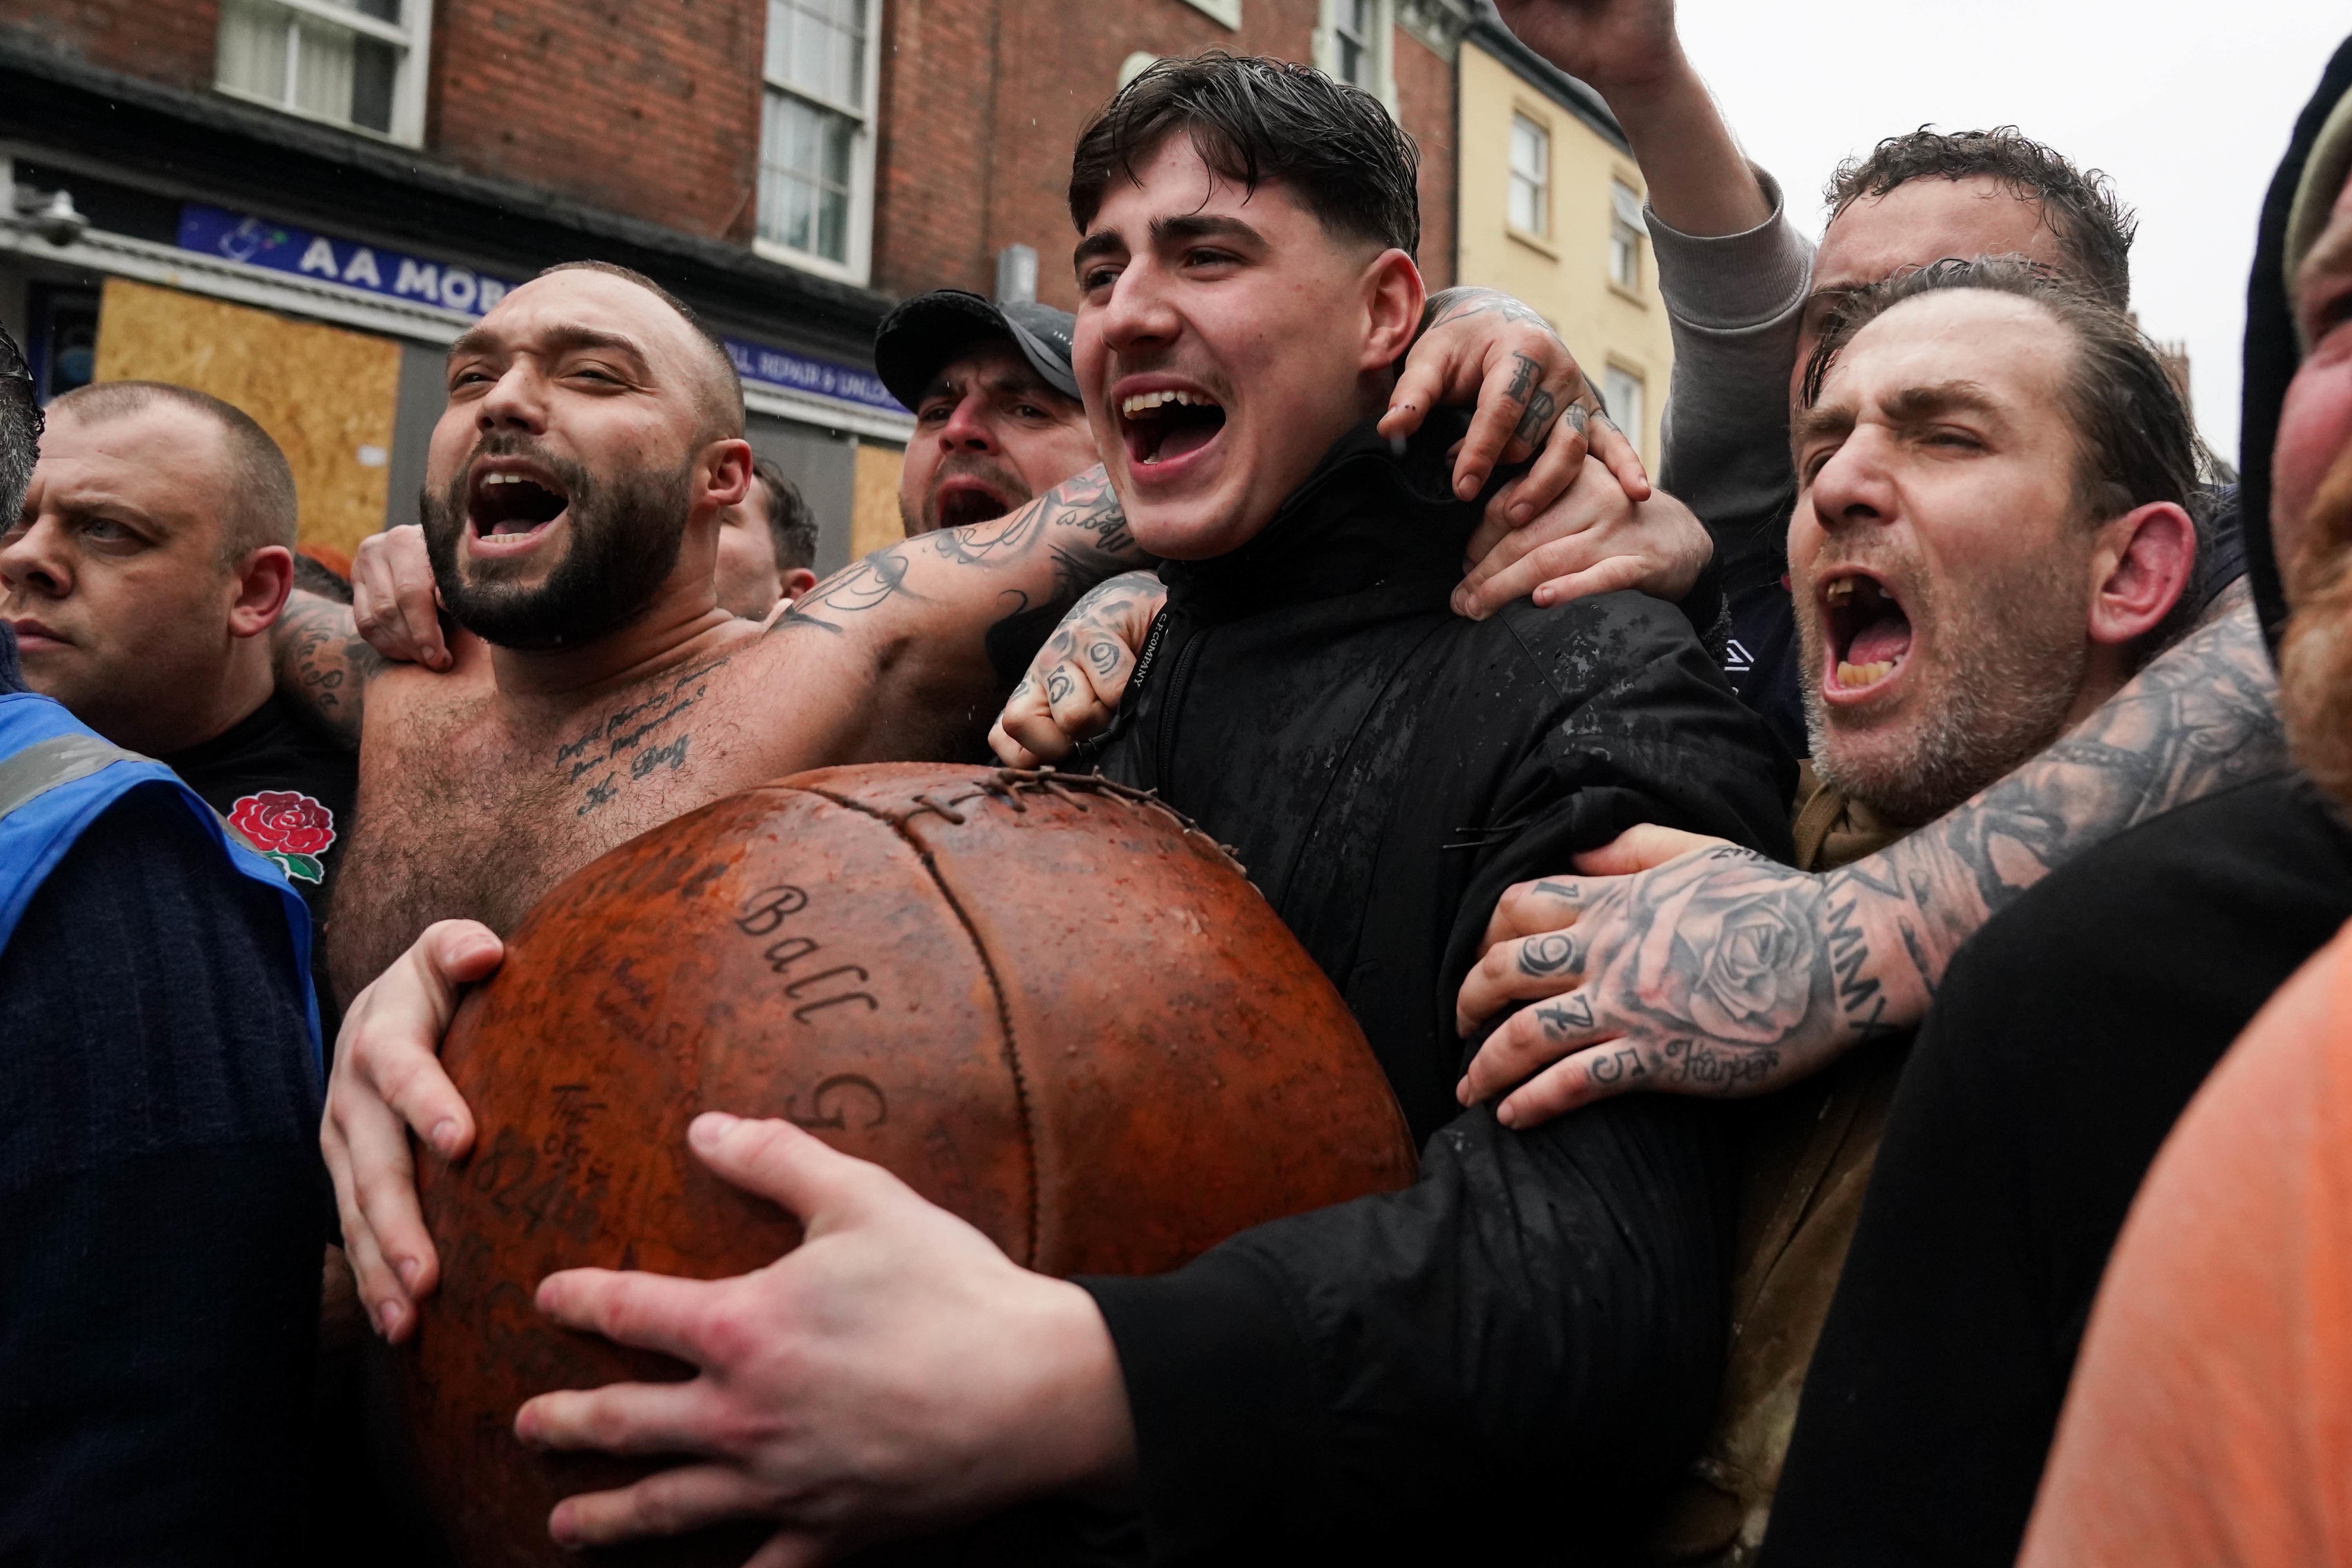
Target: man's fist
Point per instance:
(1614, 45)
(1073, 685)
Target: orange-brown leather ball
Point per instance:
(1046, 1004)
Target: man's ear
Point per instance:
(263, 580)
(2145, 561)
(796, 582)
(1393, 297)
(728, 465)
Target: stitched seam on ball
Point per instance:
(995, 989)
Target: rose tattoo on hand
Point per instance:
(1710, 974)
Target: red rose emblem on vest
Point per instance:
(290, 829)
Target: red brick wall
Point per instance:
(167, 42)
(1425, 85)
(949, 196)
(650, 108)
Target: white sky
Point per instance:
(2188, 107)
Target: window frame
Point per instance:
(858, 267)
(1614, 367)
(1633, 226)
(1381, 48)
(410, 80)
(1511, 176)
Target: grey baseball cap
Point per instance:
(925, 333)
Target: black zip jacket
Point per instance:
(1537, 1323)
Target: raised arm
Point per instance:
(1721, 973)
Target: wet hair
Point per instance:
(20, 430)
(722, 392)
(262, 510)
(2093, 230)
(1254, 120)
(2135, 442)
(789, 522)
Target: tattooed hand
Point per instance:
(1711, 970)
(393, 600)
(1530, 393)
(1703, 971)
(1075, 683)
(1594, 539)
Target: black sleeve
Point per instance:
(1538, 1322)
(159, 1248)
(2067, 1039)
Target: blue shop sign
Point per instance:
(767, 366)
(282, 247)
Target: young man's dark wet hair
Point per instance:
(790, 524)
(2079, 206)
(1257, 120)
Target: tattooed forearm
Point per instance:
(2199, 717)
(1730, 974)
(322, 663)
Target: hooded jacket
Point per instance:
(1538, 1322)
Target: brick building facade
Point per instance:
(383, 169)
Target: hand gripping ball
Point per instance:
(1046, 1003)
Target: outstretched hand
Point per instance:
(1482, 343)
(893, 1372)
(1671, 962)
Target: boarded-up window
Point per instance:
(326, 396)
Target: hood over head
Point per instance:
(2321, 148)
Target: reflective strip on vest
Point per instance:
(59, 760)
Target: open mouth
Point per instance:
(1162, 427)
(507, 505)
(1866, 633)
(961, 505)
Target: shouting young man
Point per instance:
(1535, 1325)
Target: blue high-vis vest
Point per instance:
(57, 776)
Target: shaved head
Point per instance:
(257, 486)
(718, 390)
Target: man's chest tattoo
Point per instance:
(638, 740)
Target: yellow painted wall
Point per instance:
(326, 396)
(1564, 273)
(873, 520)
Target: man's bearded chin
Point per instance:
(625, 534)
(2315, 655)
(2023, 661)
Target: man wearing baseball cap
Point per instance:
(997, 417)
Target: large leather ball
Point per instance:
(1048, 1005)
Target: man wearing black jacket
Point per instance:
(1535, 1326)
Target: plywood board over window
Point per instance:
(873, 520)
(326, 396)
